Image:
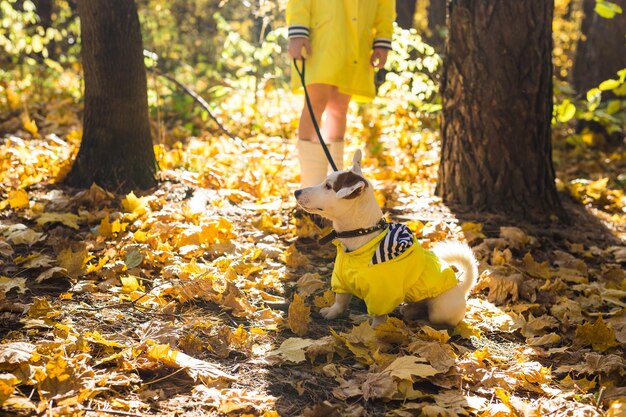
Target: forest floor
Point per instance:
(201, 297)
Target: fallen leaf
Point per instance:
(7, 284)
(545, 340)
(19, 234)
(16, 352)
(18, 199)
(600, 336)
(406, 367)
(299, 315)
(196, 368)
(379, 385)
(309, 283)
(292, 349)
(7, 386)
(74, 262)
(68, 219)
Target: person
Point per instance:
(342, 41)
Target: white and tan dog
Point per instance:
(382, 263)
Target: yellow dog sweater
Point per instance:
(389, 270)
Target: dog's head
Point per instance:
(338, 194)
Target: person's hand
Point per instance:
(296, 45)
(379, 57)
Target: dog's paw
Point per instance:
(330, 313)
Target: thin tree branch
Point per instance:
(202, 102)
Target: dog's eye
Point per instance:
(328, 186)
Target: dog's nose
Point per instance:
(297, 193)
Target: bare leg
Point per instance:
(319, 94)
(336, 110)
(338, 308)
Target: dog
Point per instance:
(382, 263)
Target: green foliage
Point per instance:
(604, 104)
(412, 79)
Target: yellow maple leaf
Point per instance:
(466, 330)
(600, 336)
(18, 199)
(324, 300)
(7, 386)
(299, 315)
(130, 284)
(393, 330)
(96, 337)
(536, 269)
(441, 336)
(29, 124)
(582, 384)
(472, 231)
(135, 205)
(57, 367)
(68, 219)
(195, 368)
(74, 262)
(293, 258)
(105, 229)
(406, 367)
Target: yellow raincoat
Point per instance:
(414, 275)
(342, 35)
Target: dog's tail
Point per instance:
(460, 255)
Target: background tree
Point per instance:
(601, 51)
(497, 108)
(437, 23)
(405, 10)
(116, 151)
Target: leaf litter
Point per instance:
(202, 297)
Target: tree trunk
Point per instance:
(497, 106)
(116, 151)
(601, 51)
(405, 11)
(437, 24)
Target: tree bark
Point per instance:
(116, 151)
(405, 10)
(497, 108)
(601, 51)
(437, 24)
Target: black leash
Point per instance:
(381, 225)
(310, 107)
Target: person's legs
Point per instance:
(336, 116)
(319, 94)
(335, 124)
(313, 163)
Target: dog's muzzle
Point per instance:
(297, 193)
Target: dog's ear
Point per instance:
(352, 191)
(356, 162)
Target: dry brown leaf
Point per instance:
(379, 385)
(293, 349)
(309, 283)
(440, 356)
(501, 286)
(16, 352)
(197, 369)
(600, 336)
(406, 367)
